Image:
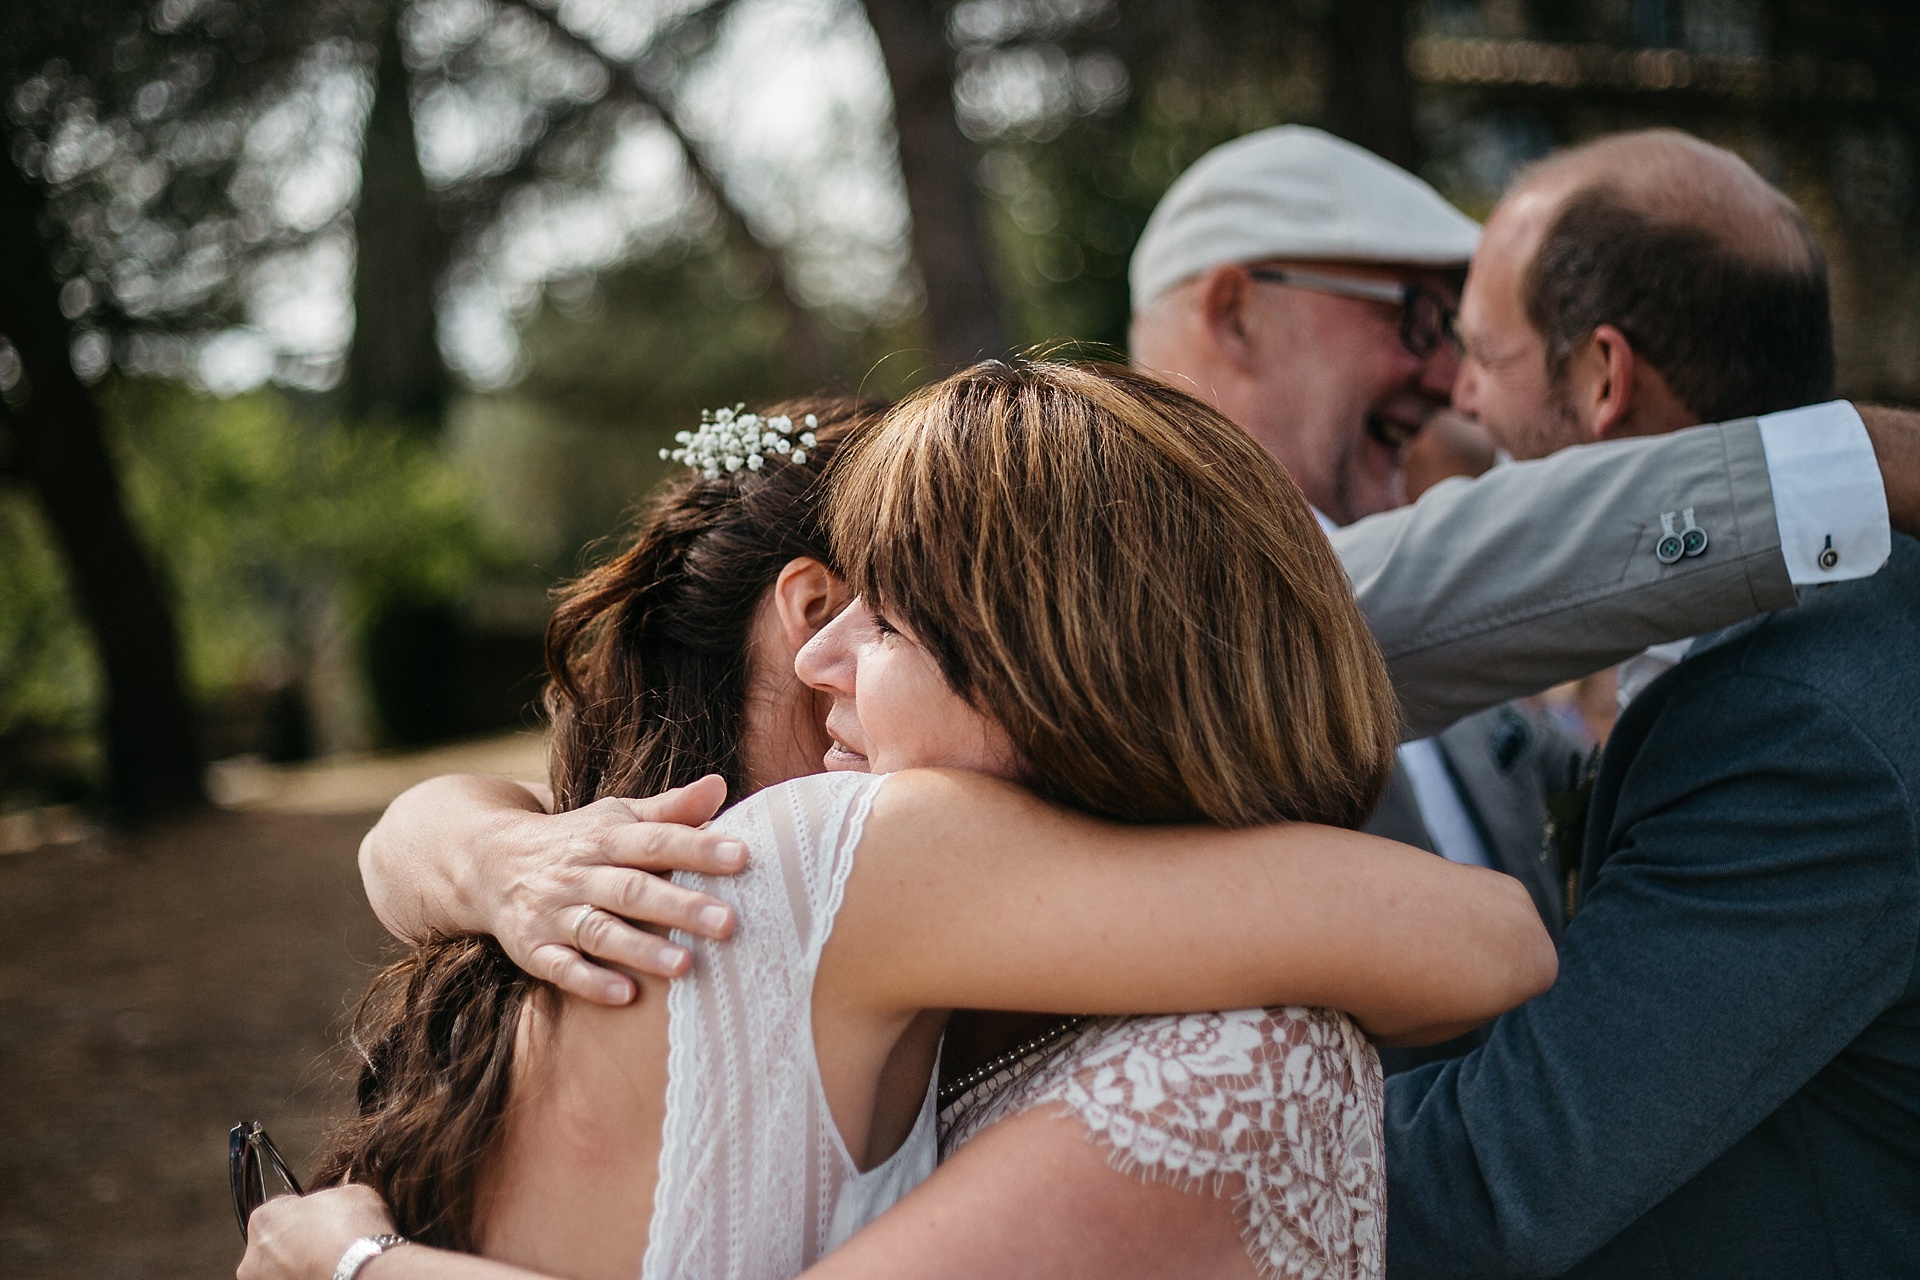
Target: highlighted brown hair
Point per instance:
(1130, 586)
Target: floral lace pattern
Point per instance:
(1287, 1101)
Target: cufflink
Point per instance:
(1828, 556)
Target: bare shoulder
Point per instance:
(916, 793)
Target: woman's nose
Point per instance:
(824, 662)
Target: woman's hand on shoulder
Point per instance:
(469, 854)
(614, 856)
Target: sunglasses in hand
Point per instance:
(249, 1152)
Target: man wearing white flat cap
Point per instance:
(1306, 287)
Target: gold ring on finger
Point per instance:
(579, 918)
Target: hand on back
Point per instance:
(466, 853)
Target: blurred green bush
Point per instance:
(286, 541)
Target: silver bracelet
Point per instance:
(362, 1251)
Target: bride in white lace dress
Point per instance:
(1076, 580)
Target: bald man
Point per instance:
(1725, 1080)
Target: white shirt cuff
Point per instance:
(1827, 494)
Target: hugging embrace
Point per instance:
(1092, 674)
(1100, 710)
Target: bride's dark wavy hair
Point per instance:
(647, 689)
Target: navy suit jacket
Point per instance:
(1725, 1080)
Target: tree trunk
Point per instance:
(394, 367)
(937, 164)
(1370, 94)
(57, 450)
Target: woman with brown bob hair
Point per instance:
(1102, 676)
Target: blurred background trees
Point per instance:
(332, 334)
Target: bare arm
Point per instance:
(417, 862)
(1032, 1199)
(467, 853)
(970, 893)
(303, 1237)
(1056, 1209)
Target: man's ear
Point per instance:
(1613, 410)
(1628, 397)
(1599, 381)
(1225, 294)
(806, 597)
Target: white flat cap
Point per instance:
(1294, 192)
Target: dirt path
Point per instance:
(154, 990)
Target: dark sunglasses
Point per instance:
(249, 1151)
(1425, 318)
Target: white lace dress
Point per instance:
(1288, 1102)
(755, 1182)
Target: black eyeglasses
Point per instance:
(249, 1150)
(1425, 318)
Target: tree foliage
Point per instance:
(262, 522)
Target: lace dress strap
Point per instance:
(1286, 1101)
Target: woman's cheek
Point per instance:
(883, 737)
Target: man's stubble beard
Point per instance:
(1384, 492)
(1343, 482)
(1560, 428)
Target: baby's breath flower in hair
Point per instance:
(729, 439)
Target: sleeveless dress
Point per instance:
(755, 1181)
(1287, 1101)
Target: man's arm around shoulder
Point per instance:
(1539, 572)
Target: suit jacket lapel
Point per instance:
(1507, 802)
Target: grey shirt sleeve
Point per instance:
(1539, 572)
